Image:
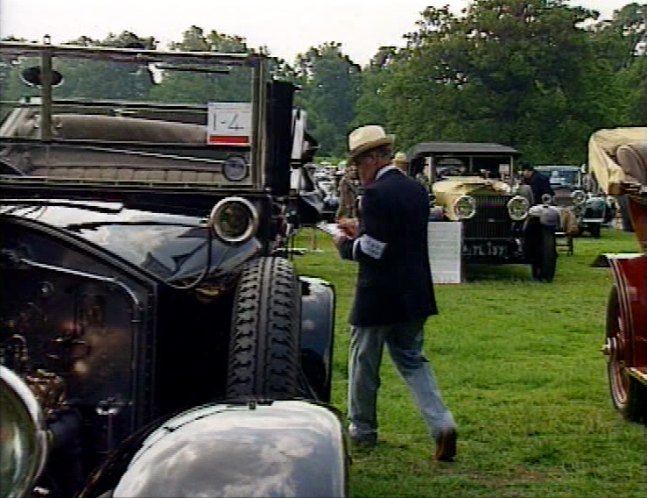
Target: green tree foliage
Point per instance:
(619, 46)
(536, 74)
(330, 86)
(200, 88)
(509, 71)
(371, 107)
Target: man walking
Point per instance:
(394, 294)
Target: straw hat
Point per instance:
(366, 138)
(400, 159)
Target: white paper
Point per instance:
(331, 229)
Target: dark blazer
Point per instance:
(540, 185)
(394, 281)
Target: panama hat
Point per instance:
(366, 138)
(400, 158)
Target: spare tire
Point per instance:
(264, 351)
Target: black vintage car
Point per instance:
(591, 210)
(474, 184)
(155, 340)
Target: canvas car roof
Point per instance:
(473, 148)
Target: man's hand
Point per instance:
(350, 227)
(339, 240)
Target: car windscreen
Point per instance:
(127, 97)
(560, 177)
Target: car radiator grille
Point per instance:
(491, 221)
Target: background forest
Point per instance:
(538, 75)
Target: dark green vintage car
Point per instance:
(591, 209)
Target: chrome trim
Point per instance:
(14, 387)
(251, 227)
(472, 203)
(579, 197)
(515, 199)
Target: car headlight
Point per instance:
(518, 208)
(234, 220)
(23, 438)
(235, 168)
(465, 207)
(579, 197)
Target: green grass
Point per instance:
(519, 365)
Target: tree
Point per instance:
(619, 47)
(231, 84)
(329, 82)
(508, 71)
(370, 107)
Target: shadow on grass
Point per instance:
(485, 272)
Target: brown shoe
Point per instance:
(446, 445)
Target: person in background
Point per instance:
(538, 183)
(348, 192)
(394, 293)
(401, 161)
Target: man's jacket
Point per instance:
(394, 280)
(540, 185)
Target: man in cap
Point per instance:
(394, 294)
(538, 183)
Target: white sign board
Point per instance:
(445, 247)
(229, 123)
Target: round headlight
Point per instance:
(235, 168)
(23, 438)
(518, 208)
(578, 197)
(465, 207)
(234, 220)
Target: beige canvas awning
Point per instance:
(603, 156)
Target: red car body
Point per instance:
(626, 334)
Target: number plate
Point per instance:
(485, 249)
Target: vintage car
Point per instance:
(619, 159)
(155, 339)
(591, 210)
(474, 183)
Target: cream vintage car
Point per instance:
(474, 183)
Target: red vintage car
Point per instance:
(618, 159)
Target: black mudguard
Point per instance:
(284, 448)
(317, 334)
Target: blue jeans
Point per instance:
(404, 342)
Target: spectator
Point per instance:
(348, 192)
(394, 294)
(401, 161)
(538, 183)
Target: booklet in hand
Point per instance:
(331, 229)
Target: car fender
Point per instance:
(282, 448)
(317, 333)
(630, 278)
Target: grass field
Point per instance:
(519, 365)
